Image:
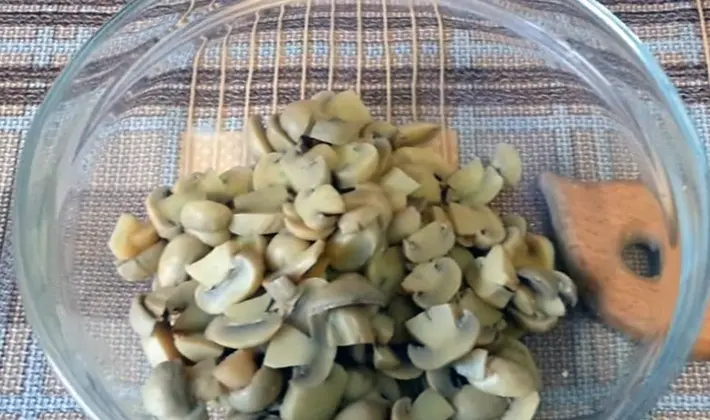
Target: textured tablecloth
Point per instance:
(37, 38)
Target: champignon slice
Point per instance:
(514, 243)
(473, 404)
(432, 241)
(370, 195)
(430, 405)
(214, 267)
(462, 339)
(347, 106)
(256, 223)
(225, 332)
(236, 370)
(398, 201)
(383, 327)
(542, 282)
(210, 238)
(160, 347)
(497, 269)
(357, 164)
(261, 392)
(166, 392)
(319, 269)
(171, 206)
(467, 179)
(429, 187)
(540, 253)
(171, 299)
(239, 282)
(277, 137)
(317, 206)
(350, 251)
(386, 271)
(384, 151)
(205, 216)
(404, 224)
(326, 152)
(348, 326)
(298, 229)
(282, 249)
(473, 365)
(345, 291)
(165, 227)
(403, 372)
(303, 261)
(177, 255)
(514, 350)
(506, 378)
(250, 310)
(254, 135)
(265, 200)
(524, 300)
(537, 323)
(401, 309)
(424, 157)
(289, 347)
(486, 313)
(416, 134)
(191, 320)
(552, 307)
(335, 131)
(490, 187)
(318, 368)
(305, 172)
(142, 266)
(196, 347)
(379, 129)
(141, 320)
(506, 159)
(364, 409)
(361, 381)
(493, 294)
(314, 403)
(462, 256)
(401, 410)
(267, 172)
(440, 381)
(131, 236)
(203, 385)
(433, 283)
(357, 219)
(567, 289)
(384, 358)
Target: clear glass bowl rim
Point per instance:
(695, 273)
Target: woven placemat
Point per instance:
(38, 37)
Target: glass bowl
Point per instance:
(563, 80)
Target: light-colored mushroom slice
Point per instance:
(517, 221)
(285, 293)
(424, 157)
(462, 256)
(326, 152)
(433, 326)
(189, 182)
(336, 131)
(403, 372)
(542, 282)
(289, 211)
(237, 181)
(141, 320)
(203, 385)
(429, 187)
(305, 172)
(401, 309)
(212, 185)
(364, 409)
(240, 282)
(361, 381)
(177, 255)
(196, 347)
(347, 106)
(348, 290)
(142, 266)
(351, 251)
(386, 271)
(214, 267)
(131, 236)
(524, 300)
(316, 206)
(191, 320)
(404, 224)
(506, 159)
(567, 289)
(384, 358)
(166, 392)
(467, 179)
(256, 223)
(205, 216)
(283, 249)
(160, 347)
(357, 164)
(277, 137)
(436, 214)
(370, 195)
(289, 347)
(537, 323)
(227, 333)
(401, 410)
(315, 403)
(472, 366)
(463, 337)
(498, 270)
(430, 405)
(261, 392)
(171, 206)
(210, 238)
(480, 224)
(514, 243)
(512, 349)
(298, 229)
(251, 310)
(494, 294)
(383, 327)
(551, 307)
(506, 378)
(236, 370)
(267, 172)
(254, 135)
(304, 261)
(440, 381)
(397, 181)
(165, 227)
(416, 134)
(357, 219)
(432, 241)
(471, 403)
(433, 283)
(398, 201)
(171, 299)
(490, 187)
(523, 408)
(486, 313)
(265, 200)
(541, 253)
(348, 326)
(384, 151)
(318, 368)
(381, 129)
(319, 269)
(297, 117)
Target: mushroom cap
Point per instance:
(344, 291)
(143, 265)
(537, 323)
(487, 314)
(255, 135)
(370, 195)
(396, 180)
(240, 282)
(335, 131)
(542, 282)
(383, 327)
(130, 237)
(466, 332)
(211, 269)
(298, 229)
(267, 172)
(440, 381)
(433, 283)
(401, 410)
(278, 138)
(191, 320)
(160, 347)
(264, 389)
(357, 219)
(289, 347)
(183, 250)
(435, 325)
(165, 392)
(424, 157)
(205, 216)
(361, 381)
(488, 189)
(348, 106)
(242, 336)
(432, 241)
(141, 320)
(170, 299)
(250, 310)
(203, 385)
(473, 365)
(348, 326)
(429, 187)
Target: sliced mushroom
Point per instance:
(396, 180)
(289, 347)
(191, 320)
(283, 249)
(540, 253)
(364, 409)
(249, 311)
(177, 255)
(348, 290)
(284, 292)
(386, 271)
(357, 219)
(524, 300)
(348, 326)
(401, 410)
(196, 347)
(383, 327)
(278, 138)
(387, 387)
(336, 131)
(567, 289)
(319, 367)
(536, 323)
(416, 134)
(315, 403)
(319, 269)
(171, 299)
(265, 200)
(384, 358)
(267, 172)
(404, 224)
(480, 224)
(381, 129)
(403, 372)
(440, 381)
(471, 403)
(203, 385)
(143, 265)
(165, 227)
(542, 282)
(305, 172)
(462, 256)
(347, 106)
(131, 236)
(433, 283)
(361, 381)
(467, 180)
(229, 334)
(432, 241)
(433, 326)
(506, 159)
(239, 282)
(261, 392)
(514, 243)
(430, 405)
(489, 188)
(370, 195)
(326, 152)
(497, 276)
(214, 267)
(171, 206)
(298, 229)
(256, 223)
(514, 350)
(166, 392)
(398, 201)
(462, 339)
(303, 261)
(506, 378)
(160, 347)
(317, 206)
(424, 157)
(210, 238)
(357, 164)
(384, 151)
(235, 181)
(486, 313)
(236, 370)
(473, 365)
(205, 216)
(436, 214)
(350, 251)
(254, 135)
(429, 187)
(220, 187)
(551, 307)
(401, 309)
(141, 320)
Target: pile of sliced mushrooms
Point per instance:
(351, 274)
